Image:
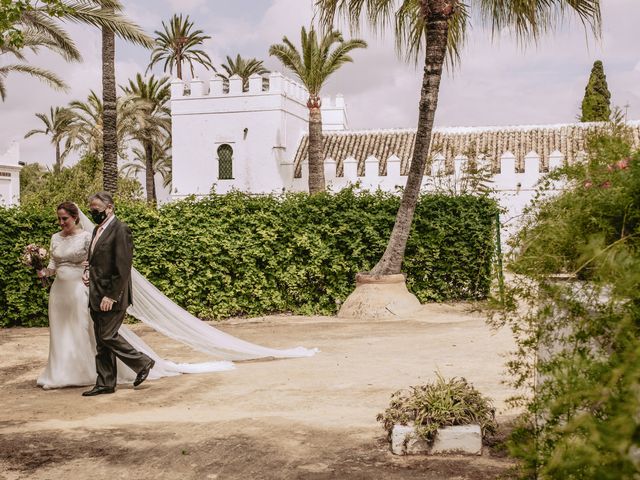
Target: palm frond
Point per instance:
(38, 21)
(102, 17)
(34, 132)
(243, 67)
(40, 73)
(528, 19)
(318, 57)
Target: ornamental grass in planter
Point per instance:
(439, 404)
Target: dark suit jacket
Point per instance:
(110, 266)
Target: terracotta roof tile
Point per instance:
(492, 142)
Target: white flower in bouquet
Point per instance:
(26, 259)
(36, 257)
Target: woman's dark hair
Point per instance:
(71, 208)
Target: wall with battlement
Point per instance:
(262, 124)
(266, 125)
(513, 188)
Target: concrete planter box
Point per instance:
(461, 439)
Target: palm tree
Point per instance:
(179, 44)
(152, 127)
(88, 124)
(313, 64)
(433, 29)
(58, 125)
(109, 96)
(244, 68)
(161, 162)
(105, 14)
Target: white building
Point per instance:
(239, 140)
(255, 141)
(10, 167)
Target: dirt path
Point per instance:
(311, 418)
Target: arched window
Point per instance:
(225, 162)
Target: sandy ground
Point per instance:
(311, 418)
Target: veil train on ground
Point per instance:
(156, 310)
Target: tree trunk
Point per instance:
(179, 66)
(109, 132)
(57, 167)
(149, 174)
(437, 14)
(316, 147)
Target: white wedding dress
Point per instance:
(72, 345)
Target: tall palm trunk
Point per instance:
(316, 147)
(58, 165)
(149, 174)
(179, 66)
(437, 14)
(109, 119)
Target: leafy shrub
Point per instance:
(46, 188)
(237, 254)
(577, 362)
(442, 403)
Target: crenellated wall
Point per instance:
(266, 126)
(263, 125)
(515, 159)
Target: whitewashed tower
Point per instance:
(243, 140)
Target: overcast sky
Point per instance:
(497, 82)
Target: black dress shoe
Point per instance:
(98, 391)
(143, 374)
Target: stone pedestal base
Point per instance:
(379, 297)
(461, 439)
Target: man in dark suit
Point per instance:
(108, 276)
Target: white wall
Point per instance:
(514, 190)
(10, 176)
(263, 128)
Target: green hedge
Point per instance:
(242, 255)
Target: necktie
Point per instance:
(95, 239)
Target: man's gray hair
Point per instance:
(104, 197)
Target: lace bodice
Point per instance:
(69, 251)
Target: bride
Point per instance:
(72, 345)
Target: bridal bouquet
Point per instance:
(37, 258)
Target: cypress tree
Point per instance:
(596, 104)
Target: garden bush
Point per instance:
(577, 363)
(236, 254)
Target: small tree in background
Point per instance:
(244, 68)
(596, 104)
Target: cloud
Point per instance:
(497, 82)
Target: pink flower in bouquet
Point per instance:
(587, 184)
(606, 184)
(36, 257)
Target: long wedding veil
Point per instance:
(156, 310)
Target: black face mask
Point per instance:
(98, 216)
